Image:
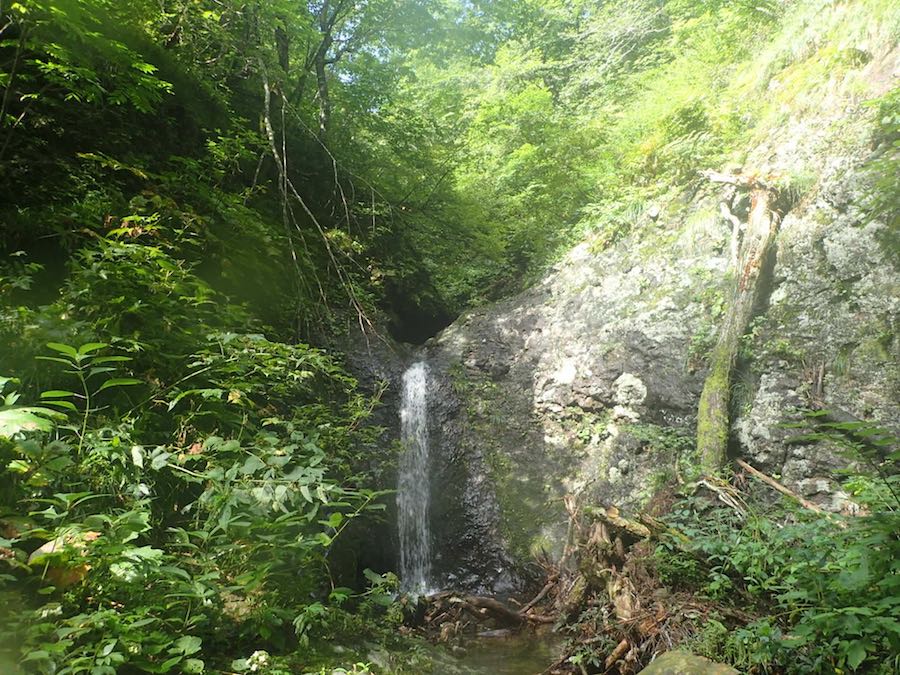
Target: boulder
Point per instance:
(685, 663)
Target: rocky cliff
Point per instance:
(587, 384)
(584, 388)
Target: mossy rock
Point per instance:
(685, 663)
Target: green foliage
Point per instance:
(193, 194)
(16, 418)
(832, 588)
(163, 548)
(825, 587)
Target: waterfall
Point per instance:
(413, 493)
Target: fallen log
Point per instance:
(617, 653)
(495, 607)
(611, 517)
(499, 611)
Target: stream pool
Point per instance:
(521, 654)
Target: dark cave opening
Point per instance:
(415, 319)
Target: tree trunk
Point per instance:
(327, 20)
(324, 102)
(713, 413)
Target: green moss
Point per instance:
(712, 414)
(523, 498)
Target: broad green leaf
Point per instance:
(207, 394)
(111, 359)
(252, 465)
(91, 347)
(57, 393)
(66, 405)
(187, 645)
(18, 466)
(55, 359)
(373, 576)
(37, 655)
(856, 653)
(168, 664)
(158, 461)
(14, 420)
(63, 349)
(118, 382)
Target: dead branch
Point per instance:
(726, 494)
(771, 482)
(495, 607)
(501, 612)
(617, 653)
(551, 582)
(289, 190)
(746, 182)
(713, 417)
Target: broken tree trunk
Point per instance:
(611, 516)
(712, 415)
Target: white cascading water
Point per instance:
(413, 492)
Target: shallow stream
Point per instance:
(521, 654)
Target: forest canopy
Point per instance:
(413, 156)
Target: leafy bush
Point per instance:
(827, 587)
(158, 549)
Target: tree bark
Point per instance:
(328, 18)
(322, 92)
(713, 421)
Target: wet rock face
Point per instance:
(374, 360)
(830, 332)
(588, 382)
(464, 510)
(467, 548)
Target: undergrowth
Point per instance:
(822, 591)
